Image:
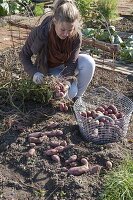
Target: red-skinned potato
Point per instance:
(88, 114)
(110, 111)
(56, 158)
(65, 108)
(52, 133)
(60, 94)
(101, 109)
(60, 148)
(72, 158)
(51, 152)
(106, 112)
(61, 106)
(101, 124)
(119, 115)
(35, 140)
(113, 108)
(32, 144)
(31, 152)
(73, 164)
(84, 114)
(76, 171)
(104, 106)
(93, 113)
(35, 134)
(108, 164)
(113, 116)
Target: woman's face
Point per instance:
(64, 29)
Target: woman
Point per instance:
(56, 44)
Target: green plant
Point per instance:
(108, 8)
(118, 184)
(85, 7)
(126, 53)
(13, 7)
(39, 9)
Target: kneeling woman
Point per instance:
(56, 44)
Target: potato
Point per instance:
(93, 114)
(101, 124)
(51, 152)
(32, 144)
(90, 119)
(76, 171)
(31, 152)
(110, 111)
(35, 140)
(83, 114)
(56, 158)
(113, 116)
(72, 158)
(73, 164)
(113, 108)
(59, 148)
(35, 134)
(101, 109)
(59, 94)
(119, 115)
(84, 161)
(61, 106)
(108, 164)
(65, 108)
(104, 106)
(105, 112)
(88, 114)
(52, 133)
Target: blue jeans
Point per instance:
(84, 73)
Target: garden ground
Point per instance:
(39, 177)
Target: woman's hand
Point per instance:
(38, 78)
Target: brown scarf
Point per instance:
(58, 50)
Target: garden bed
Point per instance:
(39, 177)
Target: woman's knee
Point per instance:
(86, 62)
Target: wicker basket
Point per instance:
(103, 128)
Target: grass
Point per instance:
(118, 184)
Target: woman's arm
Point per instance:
(27, 52)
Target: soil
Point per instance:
(39, 177)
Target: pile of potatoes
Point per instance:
(73, 165)
(103, 121)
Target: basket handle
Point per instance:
(104, 116)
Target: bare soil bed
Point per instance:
(40, 177)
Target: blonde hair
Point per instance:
(66, 11)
